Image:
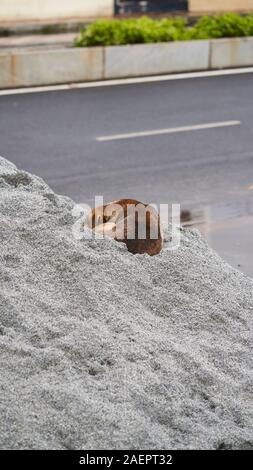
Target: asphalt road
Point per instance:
(209, 171)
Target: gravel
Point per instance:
(101, 349)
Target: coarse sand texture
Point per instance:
(102, 349)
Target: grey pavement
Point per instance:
(37, 40)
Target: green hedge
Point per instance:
(146, 30)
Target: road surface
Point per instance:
(181, 141)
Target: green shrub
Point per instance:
(131, 31)
(146, 30)
(225, 26)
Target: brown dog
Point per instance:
(131, 222)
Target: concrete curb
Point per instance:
(152, 59)
(20, 67)
(233, 52)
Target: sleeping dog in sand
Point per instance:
(131, 222)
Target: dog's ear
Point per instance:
(140, 234)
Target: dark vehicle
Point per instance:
(123, 7)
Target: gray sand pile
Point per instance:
(103, 349)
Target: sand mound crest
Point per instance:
(100, 348)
